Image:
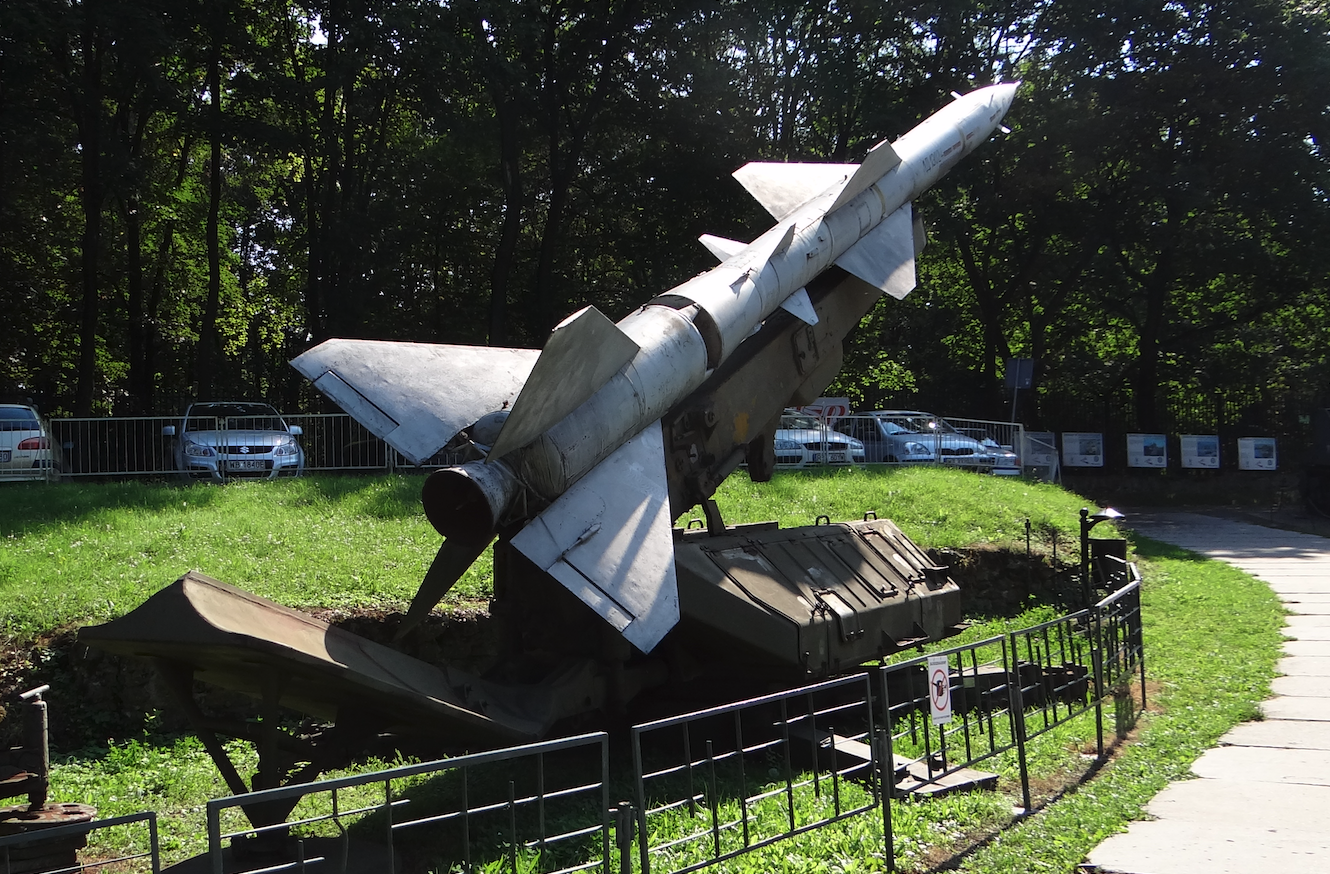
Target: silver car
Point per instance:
(219, 440)
(26, 448)
(914, 437)
(803, 439)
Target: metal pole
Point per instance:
(1086, 525)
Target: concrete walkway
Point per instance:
(1261, 802)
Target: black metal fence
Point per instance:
(56, 849)
(752, 773)
(711, 785)
(541, 807)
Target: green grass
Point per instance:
(86, 552)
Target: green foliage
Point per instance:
(471, 172)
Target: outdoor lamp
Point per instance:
(1088, 521)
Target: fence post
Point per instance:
(1017, 709)
(887, 764)
(623, 835)
(1097, 661)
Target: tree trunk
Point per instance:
(510, 169)
(209, 358)
(90, 145)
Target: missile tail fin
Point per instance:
(877, 162)
(416, 396)
(722, 248)
(581, 355)
(609, 540)
(884, 258)
(801, 307)
(783, 188)
(454, 558)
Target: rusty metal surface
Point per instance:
(20, 818)
(239, 641)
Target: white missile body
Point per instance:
(580, 458)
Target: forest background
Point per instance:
(192, 192)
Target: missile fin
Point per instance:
(884, 258)
(416, 396)
(722, 248)
(609, 540)
(799, 306)
(783, 188)
(581, 355)
(877, 162)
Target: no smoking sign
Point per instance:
(939, 689)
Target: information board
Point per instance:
(1200, 451)
(1082, 449)
(1257, 453)
(1147, 450)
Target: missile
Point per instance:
(574, 467)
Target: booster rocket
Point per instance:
(575, 464)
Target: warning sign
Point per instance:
(939, 689)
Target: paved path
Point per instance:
(1261, 802)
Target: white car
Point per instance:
(26, 449)
(221, 439)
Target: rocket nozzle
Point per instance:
(467, 501)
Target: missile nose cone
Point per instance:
(1004, 93)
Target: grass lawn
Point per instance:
(85, 552)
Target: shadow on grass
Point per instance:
(25, 507)
(28, 507)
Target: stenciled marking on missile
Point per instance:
(741, 427)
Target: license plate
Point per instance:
(836, 457)
(248, 464)
(6, 454)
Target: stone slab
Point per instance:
(1316, 648)
(1298, 807)
(1314, 709)
(1307, 608)
(1163, 847)
(1292, 734)
(1302, 685)
(1308, 598)
(1243, 766)
(1295, 585)
(1312, 668)
(1313, 620)
(1292, 632)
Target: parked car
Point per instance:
(221, 439)
(803, 440)
(26, 448)
(915, 437)
(1005, 462)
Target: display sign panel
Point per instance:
(1200, 451)
(1147, 450)
(1041, 449)
(1082, 449)
(1257, 453)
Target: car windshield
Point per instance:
(18, 419)
(916, 423)
(800, 420)
(250, 417)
